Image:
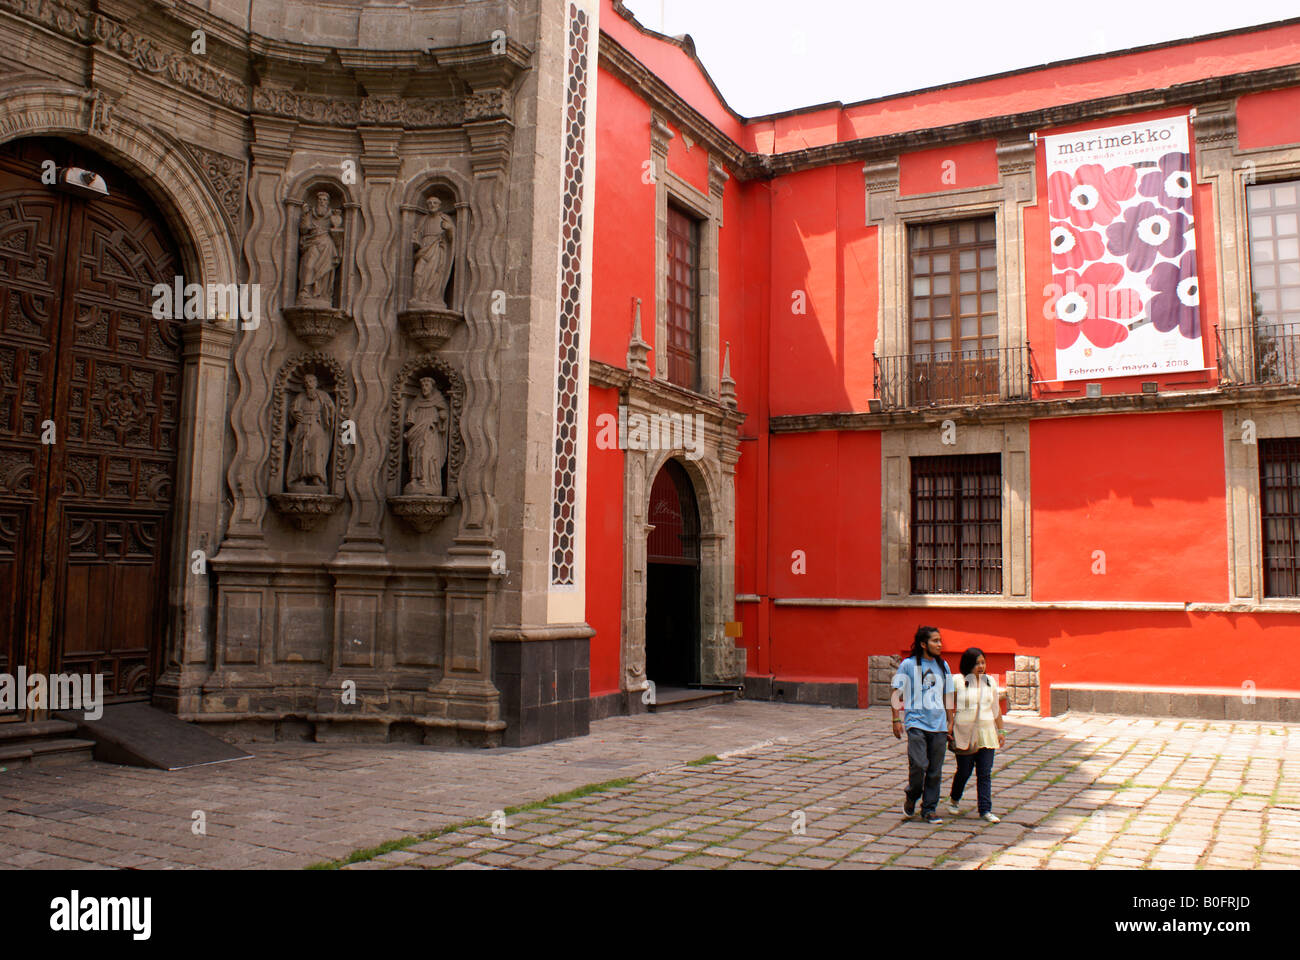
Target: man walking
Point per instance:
(924, 705)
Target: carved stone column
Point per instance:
(490, 144)
(255, 353)
(636, 499)
(198, 505)
(374, 310)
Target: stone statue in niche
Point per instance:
(426, 440)
(311, 432)
(433, 241)
(319, 256)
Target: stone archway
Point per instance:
(193, 213)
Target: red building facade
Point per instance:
(862, 312)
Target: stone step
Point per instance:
(47, 751)
(681, 698)
(11, 733)
(1186, 703)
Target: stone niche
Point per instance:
(433, 266)
(311, 400)
(320, 251)
(425, 450)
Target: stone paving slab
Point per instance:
(298, 803)
(1075, 792)
(795, 786)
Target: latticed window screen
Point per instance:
(954, 279)
(957, 524)
(1275, 250)
(1279, 499)
(683, 300)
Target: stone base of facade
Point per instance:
(617, 705)
(829, 693)
(269, 729)
(544, 679)
(1189, 703)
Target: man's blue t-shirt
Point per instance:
(924, 696)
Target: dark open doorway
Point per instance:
(673, 581)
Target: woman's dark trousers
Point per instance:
(981, 761)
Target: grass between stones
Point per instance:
(708, 758)
(369, 853)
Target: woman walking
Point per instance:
(977, 732)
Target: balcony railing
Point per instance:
(952, 379)
(1262, 353)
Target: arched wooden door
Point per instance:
(672, 631)
(89, 422)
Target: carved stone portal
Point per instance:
(307, 454)
(425, 450)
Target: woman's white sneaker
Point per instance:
(992, 818)
(953, 809)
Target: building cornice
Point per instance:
(988, 413)
(651, 392)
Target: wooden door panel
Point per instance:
(84, 522)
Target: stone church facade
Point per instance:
(333, 508)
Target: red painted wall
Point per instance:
(957, 167)
(1148, 490)
(604, 548)
(1268, 119)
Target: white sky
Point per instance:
(772, 55)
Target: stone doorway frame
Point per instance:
(162, 168)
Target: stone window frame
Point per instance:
(1230, 169)
(1245, 523)
(893, 214)
(706, 208)
(897, 447)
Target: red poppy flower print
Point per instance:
(1170, 183)
(1178, 297)
(1092, 196)
(1089, 304)
(1145, 231)
(1073, 248)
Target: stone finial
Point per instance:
(638, 350)
(727, 388)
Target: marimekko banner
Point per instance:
(1124, 293)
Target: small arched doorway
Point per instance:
(672, 633)
(90, 397)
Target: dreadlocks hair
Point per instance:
(918, 645)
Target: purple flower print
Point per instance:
(1171, 183)
(1178, 297)
(1145, 231)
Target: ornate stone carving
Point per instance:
(638, 351)
(424, 441)
(307, 455)
(226, 176)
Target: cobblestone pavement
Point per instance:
(1074, 791)
(299, 803)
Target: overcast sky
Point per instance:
(772, 55)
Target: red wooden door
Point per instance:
(89, 417)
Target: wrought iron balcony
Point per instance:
(953, 379)
(1262, 353)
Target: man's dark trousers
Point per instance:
(925, 751)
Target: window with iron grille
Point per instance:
(683, 299)
(1279, 509)
(957, 524)
(954, 279)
